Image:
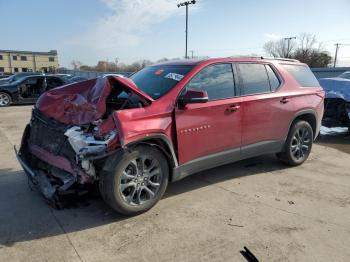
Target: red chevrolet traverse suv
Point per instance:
(167, 121)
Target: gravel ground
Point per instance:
(279, 213)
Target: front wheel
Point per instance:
(136, 180)
(298, 144)
(5, 99)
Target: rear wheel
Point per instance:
(298, 144)
(5, 99)
(136, 182)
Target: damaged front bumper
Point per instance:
(41, 180)
(61, 159)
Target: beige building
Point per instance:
(12, 61)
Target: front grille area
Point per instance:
(49, 135)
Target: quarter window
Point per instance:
(217, 80)
(254, 78)
(303, 75)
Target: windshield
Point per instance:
(156, 81)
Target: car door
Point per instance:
(266, 111)
(208, 129)
(31, 88)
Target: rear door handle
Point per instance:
(284, 100)
(233, 108)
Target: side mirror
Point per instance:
(193, 96)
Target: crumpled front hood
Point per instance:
(336, 88)
(83, 102)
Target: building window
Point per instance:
(2, 69)
(1, 57)
(51, 59)
(24, 69)
(23, 58)
(16, 69)
(14, 57)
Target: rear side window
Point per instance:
(254, 78)
(303, 75)
(216, 79)
(274, 81)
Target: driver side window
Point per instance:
(216, 79)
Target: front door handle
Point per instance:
(284, 100)
(233, 108)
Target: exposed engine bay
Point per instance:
(337, 102)
(64, 150)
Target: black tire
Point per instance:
(5, 99)
(295, 152)
(122, 169)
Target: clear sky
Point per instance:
(130, 30)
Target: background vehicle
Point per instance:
(345, 75)
(74, 79)
(27, 89)
(168, 121)
(337, 102)
(16, 77)
(5, 75)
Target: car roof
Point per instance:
(193, 62)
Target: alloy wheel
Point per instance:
(140, 181)
(4, 99)
(301, 143)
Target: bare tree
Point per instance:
(310, 51)
(280, 48)
(306, 49)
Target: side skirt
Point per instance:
(226, 157)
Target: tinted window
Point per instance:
(302, 74)
(254, 78)
(158, 80)
(53, 82)
(274, 81)
(217, 80)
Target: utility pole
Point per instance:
(192, 53)
(186, 4)
(288, 43)
(336, 54)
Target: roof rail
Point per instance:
(267, 58)
(281, 59)
(245, 56)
